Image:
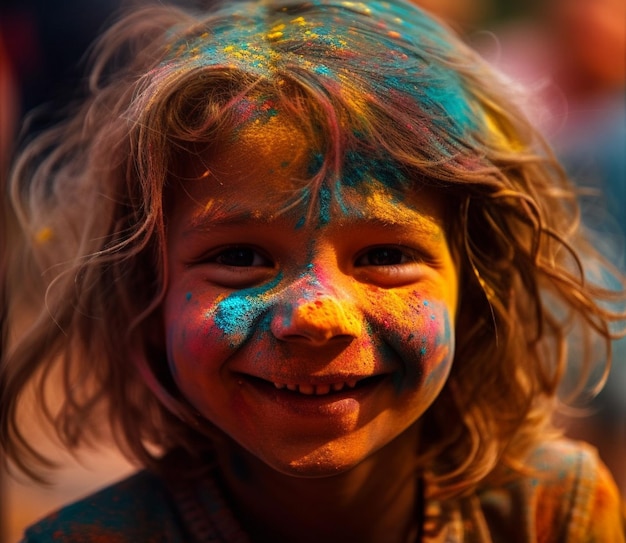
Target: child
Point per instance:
(320, 279)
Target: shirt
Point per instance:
(566, 496)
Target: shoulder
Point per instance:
(566, 494)
(138, 508)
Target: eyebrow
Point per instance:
(421, 224)
(215, 216)
(221, 214)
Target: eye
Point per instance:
(384, 256)
(236, 266)
(244, 257)
(390, 266)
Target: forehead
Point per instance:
(268, 169)
(299, 147)
(273, 141)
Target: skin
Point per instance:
(314, 346)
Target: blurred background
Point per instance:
(569, 54)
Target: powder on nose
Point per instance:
(326, 318)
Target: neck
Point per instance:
(376, 500)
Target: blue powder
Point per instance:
(237, 314)
(325, 199)
(323, 70)
(362, 167)
(339, 198)
(315, 163)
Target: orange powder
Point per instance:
(272, 139)
(325, 318)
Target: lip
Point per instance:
(329, 396)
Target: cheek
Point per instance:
(417, 331)
(204, 331)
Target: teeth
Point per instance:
(321, 389)
(307, 389)
(317, 390)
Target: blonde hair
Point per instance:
(381, 79)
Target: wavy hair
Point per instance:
(90, 198)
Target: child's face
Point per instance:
(314, 343)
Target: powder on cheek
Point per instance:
(238, 314)
(414, 330)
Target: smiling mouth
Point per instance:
(321, 389)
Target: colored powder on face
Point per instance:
(405, 331)
(237, 314)
(359, 167)
(264, 130)
(252, 45)
(270, 43)
(315, 164)
(325, 199)
(378, 204)
(338, 194)
(371, 199)
(372, 177)
(326, 317)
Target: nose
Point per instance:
(317, 321)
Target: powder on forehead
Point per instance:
(270, 138)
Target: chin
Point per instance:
(327, 461)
